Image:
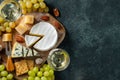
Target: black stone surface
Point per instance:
(92, 39)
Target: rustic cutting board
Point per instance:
(43, 54)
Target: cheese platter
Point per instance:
(34, 36)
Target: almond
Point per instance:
(45, 18)
(56, 12)
(57, 25)
(19, 39)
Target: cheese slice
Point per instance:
(30, 53)
(17, 51)
(25, 51)
(35, 53)
(31, 40)
(7, 37)
(29, 19)
(49, 39)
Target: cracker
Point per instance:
(21, 67)
(30, 64)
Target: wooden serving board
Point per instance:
(43, 54)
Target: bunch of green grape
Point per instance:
(44, 73)
(6, 26)
(33, 6)
(4, 75)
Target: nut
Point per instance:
(56, 12)
(19, 38)
(45, 18)
(57, 25)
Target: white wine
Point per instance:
(58, 59)
(10, 10)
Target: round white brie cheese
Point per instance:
(49, 33)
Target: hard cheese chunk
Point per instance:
(29, 19)
(21, 67)
(22, 28)
(7, 37)
(31, 40)
(17, 51)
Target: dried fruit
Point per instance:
(19, 39)
(56, 12)
(45, 18)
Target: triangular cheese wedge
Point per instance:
(31, 40)
(35, 53)
(25, 51)
(17, 51)
(30, 53)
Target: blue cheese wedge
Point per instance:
(25, 51)
(49, 39)
(30, 53)
(31, 40)
(35, 53)
(17, 51)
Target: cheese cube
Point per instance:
(29, 19)
(21, 28)
(7, 37)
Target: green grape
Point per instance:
(46, 73)
(25, 79)
(41, 69)
(3, 29)
(34, 9)
(8, 29)
(1, 20)
(42, 5)
(12, 24)
(49, 78)
(51, 72)
(24, 11)
(39, 74)
(30, 78)
(36, 5)
(31, 73)
(37, 78)
(25, 0)
(29, 4)
(4, 78)
(2, 67)
(10, 76)
(6, 24)
(46, 9)
(43, 78)
(35, 69)
(34, 1)
(29, 10)
(4, 73)
(41, 10)
(22, 4)
(40, 0)
(46, 68)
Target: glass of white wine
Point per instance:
(58, 59)
(10, 10)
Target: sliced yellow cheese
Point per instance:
(29, 19)
(7, 37)
(21, 28)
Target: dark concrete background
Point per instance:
(92, 40)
